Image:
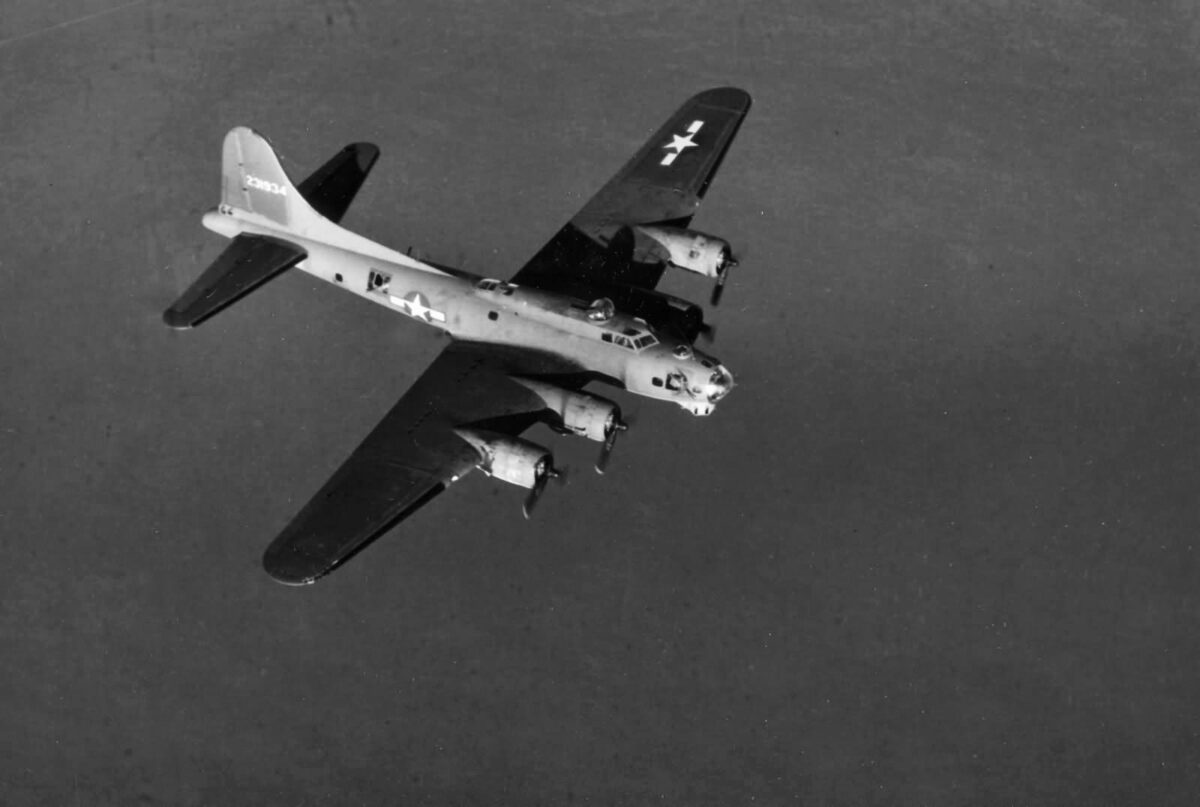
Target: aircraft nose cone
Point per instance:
(720, 383)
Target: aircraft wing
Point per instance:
(413, 454)
(663, 183)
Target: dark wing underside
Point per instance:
(249, 261)
(332, 187)
(413, 454)
(244, 265)
(663, 183)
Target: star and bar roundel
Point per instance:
(681, 142)
(416, 305)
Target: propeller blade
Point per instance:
(718, 290)
(727, 263)
(535, 493)
(602, 460)
(539, 487)
(610, 440)
(708, 333)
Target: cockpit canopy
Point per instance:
(630, 339)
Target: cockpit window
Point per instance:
(645, 341)
(618, 339)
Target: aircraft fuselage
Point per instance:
(618, 348)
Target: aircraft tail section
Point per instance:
(253, 180)
(273, 223)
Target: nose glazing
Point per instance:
(720, 382)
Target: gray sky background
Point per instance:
(939, 547)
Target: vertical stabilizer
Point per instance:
(253, 180)
(254, 183)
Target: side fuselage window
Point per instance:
(378, 281)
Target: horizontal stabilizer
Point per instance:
(333, 186)
(247, 263)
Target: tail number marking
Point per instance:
(265, 185)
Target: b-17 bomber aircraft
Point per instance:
(583, 309)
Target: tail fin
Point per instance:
(253, 180)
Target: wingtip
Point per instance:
(173, 318)
(365, 155)
(290, 570)
(733, 98)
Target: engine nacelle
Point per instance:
(581, 414)
(686, 249)
(510, 459)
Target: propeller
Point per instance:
(610, 439)
(545, 472)
(707, 332)
(727, 263)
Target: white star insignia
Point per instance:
(415, 306)
(680, 142)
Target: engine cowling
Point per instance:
(510, 459)
(686, 249)
(581, 414)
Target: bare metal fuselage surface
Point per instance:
(617, 348)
